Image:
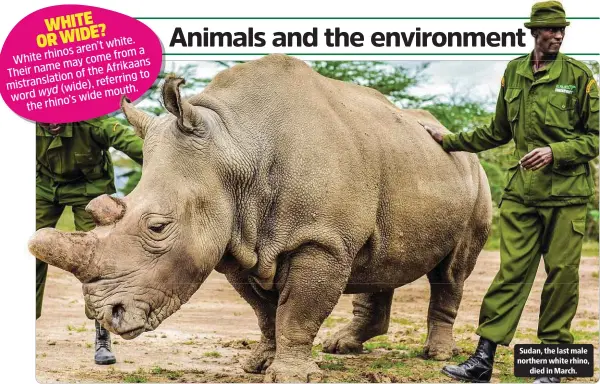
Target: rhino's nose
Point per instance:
(118, 311)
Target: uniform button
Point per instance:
(563, 106)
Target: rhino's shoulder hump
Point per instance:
(280, 59)
(271, 67)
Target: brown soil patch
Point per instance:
(207, 338)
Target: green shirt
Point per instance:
(556, 107)
(75, 164)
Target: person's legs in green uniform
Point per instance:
(521, 234)
(560, 295)
(103, 352)
(83, 220)
(525, 234)
(47, 214)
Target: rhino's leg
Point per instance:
(265, 306)
(371, 318)
(447, 280)
(448, 277)
(314, 283)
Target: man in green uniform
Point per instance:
(74, 166)
(548, 104)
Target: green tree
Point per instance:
(394, 81)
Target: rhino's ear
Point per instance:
(170, 94)
(139, 119)
(189, 119)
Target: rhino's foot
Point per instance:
(293, 371)
(343, 342)
(440, 343)
(440, 352)
(261, 357)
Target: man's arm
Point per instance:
(113, 134)
(585, 147)
(495, 134)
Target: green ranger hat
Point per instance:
(547, 14)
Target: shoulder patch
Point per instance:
(590, 85)
(502, 82)
(579, 65)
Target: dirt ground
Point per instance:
(206, 339)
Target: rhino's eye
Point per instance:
(157, 228)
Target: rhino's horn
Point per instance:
(188, 118)
(106, 210)
(70, 251)
(140, 120)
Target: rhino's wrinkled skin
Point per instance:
(299, 188)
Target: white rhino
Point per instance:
(298, 188)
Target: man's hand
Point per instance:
(536, 159)
(435, 132)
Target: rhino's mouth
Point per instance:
(129, 324)
(126, 317)
(133, 333)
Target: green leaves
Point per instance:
(391, 80)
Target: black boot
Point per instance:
(104, 355)
(478, 367)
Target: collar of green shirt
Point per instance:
(68, 132)
(524, 69)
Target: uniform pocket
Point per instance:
(560, 111)
(510, 173)
(594, 104)
(88, 158)
(570, 181)
(579, 226)
(91, 164)
(513, 102)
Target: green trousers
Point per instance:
(527, 233)
(47, 214)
